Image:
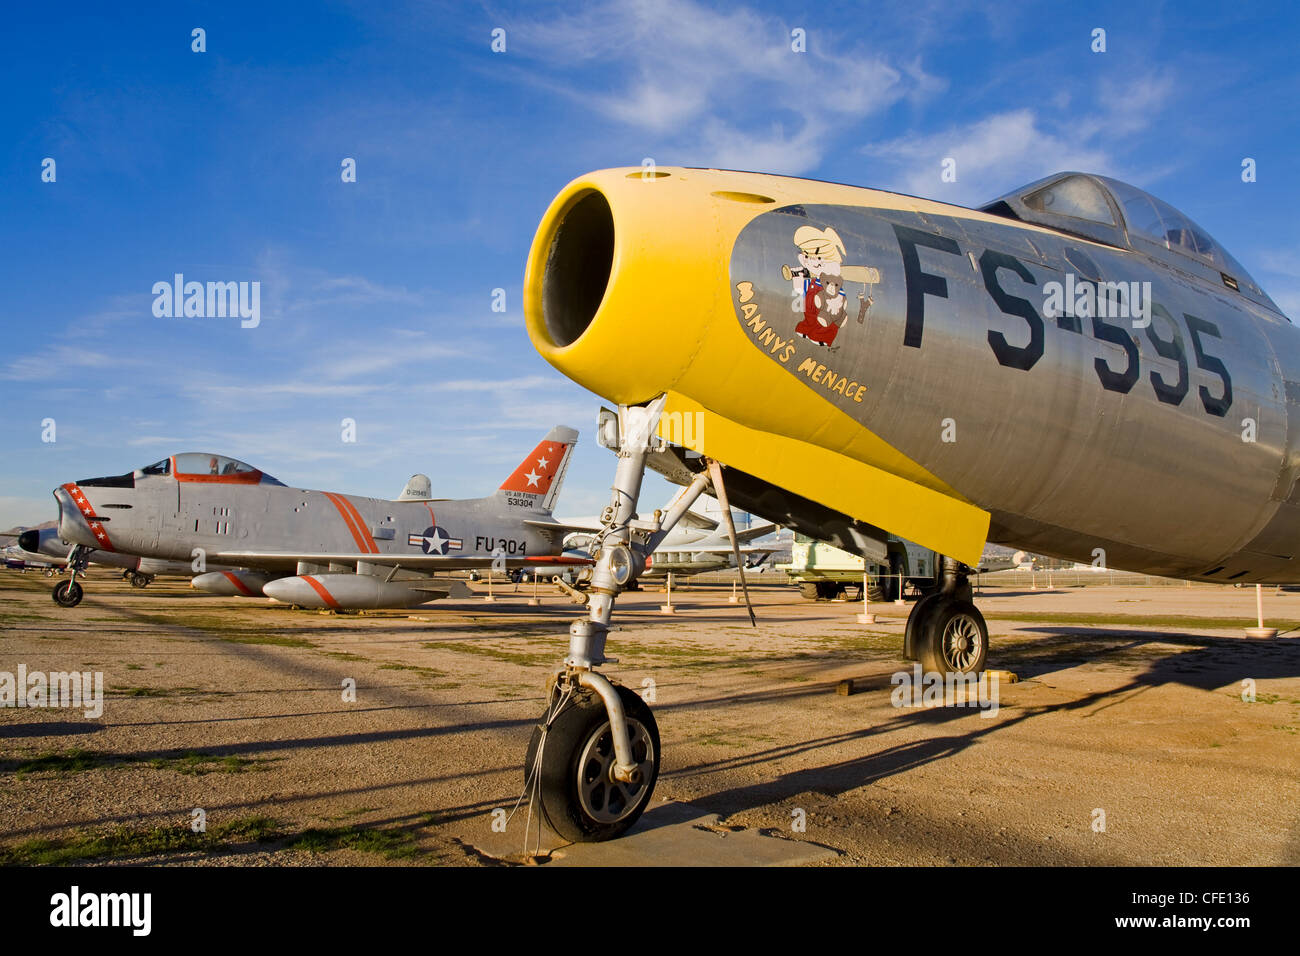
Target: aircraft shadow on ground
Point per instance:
(1210, 662)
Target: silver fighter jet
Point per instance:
(317, 549)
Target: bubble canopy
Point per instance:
(205, 466)
(1107, 210)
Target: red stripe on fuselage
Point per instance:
(367, 540)
(353, 522)
(87, 510)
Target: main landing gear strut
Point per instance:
(594, 755)
(69, 593)
(945, 631)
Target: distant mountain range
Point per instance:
(18, 529)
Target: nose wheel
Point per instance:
(68, 594)
(571, 762)
(593, 760)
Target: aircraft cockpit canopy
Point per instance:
(1113, 212)
(203, 466)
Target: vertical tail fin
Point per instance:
(536, 482)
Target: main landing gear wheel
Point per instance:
(915, 627)
(49, 572)
(953, 639)
(68, 593)
(141, 580)
(578, 795)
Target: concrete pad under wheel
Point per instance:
(668, 834)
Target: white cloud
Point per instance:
(61, 363)
(991, 154)
(1003, 150)
(710, 82)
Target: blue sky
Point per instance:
(376, 296)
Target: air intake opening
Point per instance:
(577, 268)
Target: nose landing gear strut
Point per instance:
(594, 755)
(69, 593)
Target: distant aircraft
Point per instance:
(46, 544)
(18, 558)
(315, 548)
(711, 552)
(1075, 369)
(697, 545)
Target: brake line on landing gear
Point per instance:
(532, 784)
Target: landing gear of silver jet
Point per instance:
(573, 762)
(141, 580)
(69, 593)
(945, 631)
(593, 760)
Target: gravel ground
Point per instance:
(1130, 704)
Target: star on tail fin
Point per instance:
(535, 484)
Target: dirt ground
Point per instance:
(1126, 741)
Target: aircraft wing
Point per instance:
(284, 560)
(688, 520)
(694, 520)
(561, 527)
(749, 534)
(714, 547)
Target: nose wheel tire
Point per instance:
(141, 580)
(578, 795)
(953, 638)
(68, 594)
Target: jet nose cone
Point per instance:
(30, 541)
(71, 526)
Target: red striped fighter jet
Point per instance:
(316, 549)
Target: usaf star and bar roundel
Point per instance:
(435, 540)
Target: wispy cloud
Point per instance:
(1002, 150)
(62, 362)
(711, 82)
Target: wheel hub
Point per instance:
(961, 642)
(602, 796)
